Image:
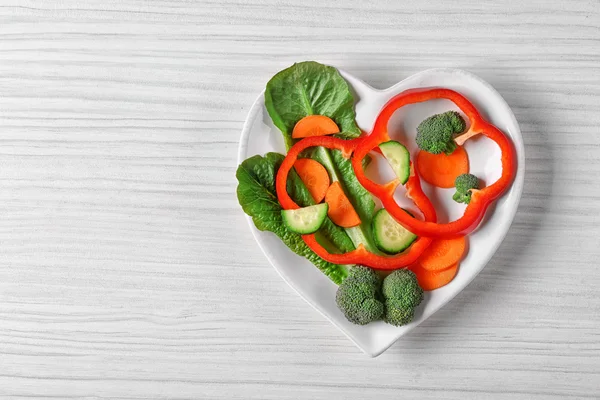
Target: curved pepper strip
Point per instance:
(361, 255)
(480, 199)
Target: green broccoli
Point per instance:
(436, 134)
(358, 296)
(464, 184)
(401, 293)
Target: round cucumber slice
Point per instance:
(305, 220)
(390, 236)
(398, 157)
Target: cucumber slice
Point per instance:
(390, 236)
(305, 220)
(398, 157)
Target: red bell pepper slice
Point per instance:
(361, 255)
(480, 199)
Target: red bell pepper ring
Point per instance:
(360, 255)
(480, 199)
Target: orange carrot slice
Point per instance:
(314, 125)
(441, 170)
(431, 280)
(340, 211)
(442, 253)
(315, 177)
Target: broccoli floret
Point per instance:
(402, 287)
(358, 296)
(464, 184)
(436, 134)
(398, 316)
(401, 293)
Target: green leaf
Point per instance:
(340, 169)
(366, 162)
(360, 198)
(310, 88)
(257, 195)
(333, 233)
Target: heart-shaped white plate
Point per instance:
(260, 136)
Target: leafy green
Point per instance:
(309, 88)
(257, 195)
(340, 169)
(305, 89)
(366, 162)
(336, 235)
(360, 198)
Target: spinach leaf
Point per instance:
(309, 88)
(257, 195)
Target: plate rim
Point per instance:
(517, 187)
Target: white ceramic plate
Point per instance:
(260, 136)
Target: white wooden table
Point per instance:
(126, 266)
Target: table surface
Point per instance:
(127, 269)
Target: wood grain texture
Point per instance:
(126, 266)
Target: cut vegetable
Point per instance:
(305, 220)
(389, 235)
(340, 169)
(314, 125)
(442, 253)
(315, 177)
(398, 157)
(480, 199)
(341, 211)
(361, 255)
(430, 280)
(441, 170)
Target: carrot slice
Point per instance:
(442, 253)
(340, 211)
(315, 177)
(430, 280)
(441, 170)
(314, 125)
